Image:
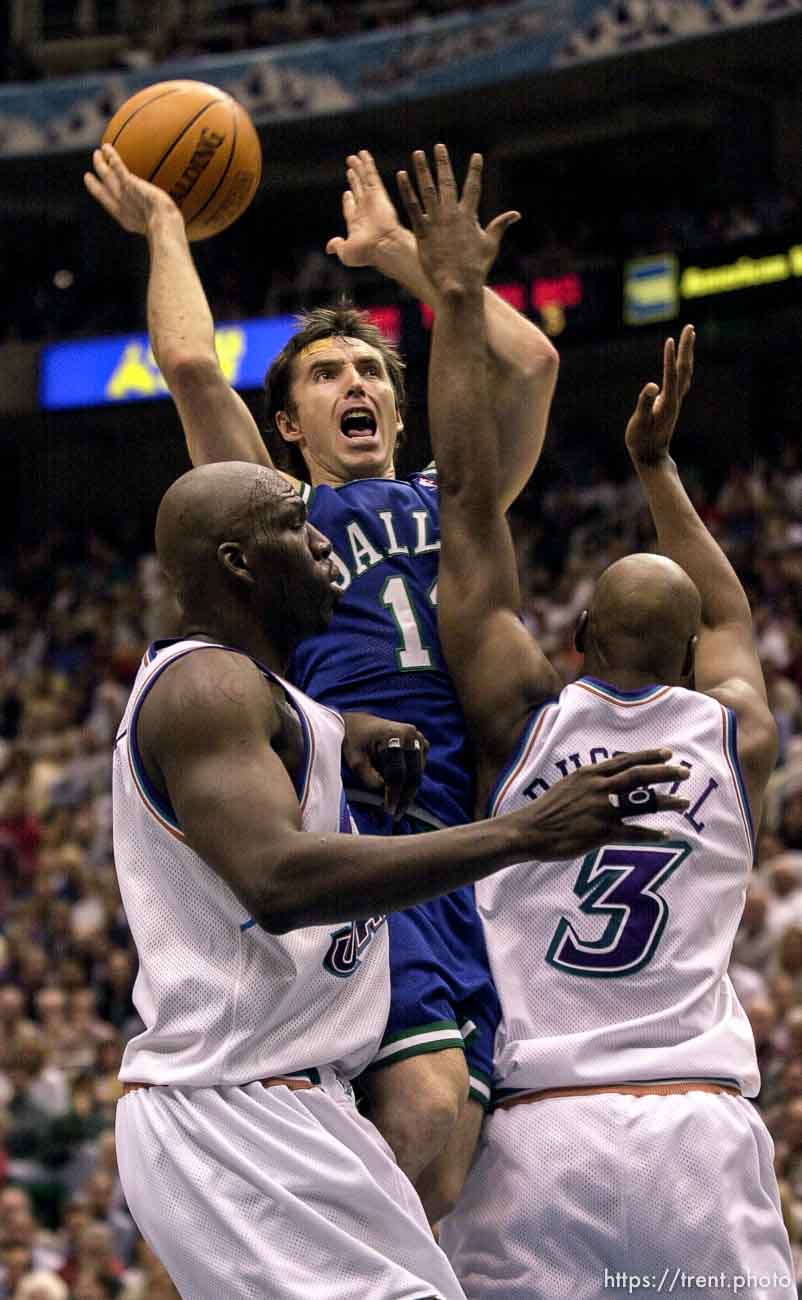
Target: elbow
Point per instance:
(275, 913)
(772, 742)
(189, 370)
(441, 1199)
(281, 902)
(543, 363)
(536, 372)
(274, 922)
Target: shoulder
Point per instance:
(209, 692)
(756, 728)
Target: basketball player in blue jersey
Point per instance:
(258, 917)
(622, 1153)
(335, 410)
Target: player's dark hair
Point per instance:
(342, 321)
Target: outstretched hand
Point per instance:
(454, 249)
(371, 221)
(586, 808)
(651, 426)
(126, 197)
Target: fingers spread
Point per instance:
(685, 359)
(472, 189)
(672, 803)
(369, 172)
(620, 762)
(646, 774)
(355, 182)
(426, 184)
(498, 227)
(646, 399)
(446, 184)
(627, 833)
(410, 200)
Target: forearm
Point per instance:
(461, 419)
(523, 366)
(216, 421)
(326, 879)
(180, 322)
(683, 537)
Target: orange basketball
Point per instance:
(196, 142)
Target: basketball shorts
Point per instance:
(592, 1198)
(442, 993)
(249, 1192)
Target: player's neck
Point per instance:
(624, 679)
(249, 640)
(321, 477)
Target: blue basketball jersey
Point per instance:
(381, 652)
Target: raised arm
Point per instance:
(498, 668)
(216, 421)
(726, 665)
(523, 363)
(209, 733)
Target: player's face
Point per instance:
(297, 576)
(343, 412)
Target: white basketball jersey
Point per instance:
(612, 968)
(223, 1001)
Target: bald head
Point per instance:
(644, 612)
(246, 565)
(206, 507)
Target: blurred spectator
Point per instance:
(18, 1226)
(16, 1260)
(116, 984)
(784, 874)
(94, 1263)
(788, 958)
(13, 1021)
(753, 942)
(29, 1083)
(41, 1285)
(147, 1279)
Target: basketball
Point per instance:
(197, 143)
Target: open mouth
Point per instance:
(358, 422)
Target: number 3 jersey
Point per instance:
(612, 968)
(381, 651)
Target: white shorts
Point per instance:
(253, 1193)
(610, 1196)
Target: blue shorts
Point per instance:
(442, 994)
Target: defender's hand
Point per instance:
(454, 248)
(386, 756)
(651, 426)
(577, 814)
(131, 201)
(371, 221)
